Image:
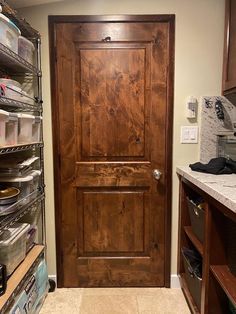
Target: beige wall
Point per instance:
(198, 68)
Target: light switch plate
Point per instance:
(189, 134)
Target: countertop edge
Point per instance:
(218, 193)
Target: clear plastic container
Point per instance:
(13, 90)
(4, 117)
(25, 128)
(8, 128)
(29, 128)
(10, 88)
(9, 33)
(36, 129)
(26, 184)
(33, 216)
(13, 246)
(26, 49)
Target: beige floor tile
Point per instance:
(163, 302)
(63, 301)
(113, 304)
(116, 301)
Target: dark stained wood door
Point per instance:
(112, 114)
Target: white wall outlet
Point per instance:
(189, 135)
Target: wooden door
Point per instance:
(112, 115)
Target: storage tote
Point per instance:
(197, 218)
(13, 246)
(192, 275)
(9, 33)
(25, 122)
(8, 128)
(26, 49)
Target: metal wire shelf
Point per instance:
(19, 148)
(16, 105)
(10, 60)
(9, 220)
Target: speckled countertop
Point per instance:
(220, 187)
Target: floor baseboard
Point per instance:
(174, 282)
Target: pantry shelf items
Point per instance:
(10, 60)
(22, 217)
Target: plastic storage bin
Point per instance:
(29, 128)
(9, 33)
(36, 129)
(32, 217)
(8, 128)
(13, 246)
(26, 49)
(31, 236)
(192, 265)
(197, 218)
(13, 90)
(26, 184)
(10, 88)
(25, 122)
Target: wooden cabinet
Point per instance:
(218, 284)
(229, 66)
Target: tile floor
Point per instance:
(116, 301)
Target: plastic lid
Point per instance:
(25, 116)
(12, 234)
(32, 174)
(10, 82)
(3, 17)
(4, 113)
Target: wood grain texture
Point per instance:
(113, 174)
(226, 280)
(112, 92)
(218, 283)
(113, 222)
(114, 126)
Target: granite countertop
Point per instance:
(220, 187)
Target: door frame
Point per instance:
(53, 20)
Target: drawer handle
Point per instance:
(196, 211)
(190, 272)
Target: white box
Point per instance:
(8, 128)
(9, 33)
(25, 122)
(29, 128)
(26, 49)
(13, 246)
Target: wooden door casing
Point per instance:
(128, 243)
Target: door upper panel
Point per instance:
(112, 92)
(115, 93)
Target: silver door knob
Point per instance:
(157, 174)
